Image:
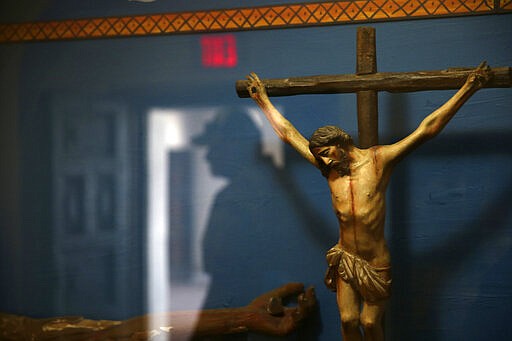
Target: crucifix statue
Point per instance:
(359, 263)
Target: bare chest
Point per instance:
(359, 195)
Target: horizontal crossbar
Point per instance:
(447, 79)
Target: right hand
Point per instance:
(291, 317)
(255, 86)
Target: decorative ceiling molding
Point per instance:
(249, 18)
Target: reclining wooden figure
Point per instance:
(266, 314)
(359, 263)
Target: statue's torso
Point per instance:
(358, 201)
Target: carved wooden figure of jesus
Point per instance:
(359, 264)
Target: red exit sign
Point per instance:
(219, 51)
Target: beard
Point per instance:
(341, 167)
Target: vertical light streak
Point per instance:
(165, 133)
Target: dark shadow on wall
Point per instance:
(423, 282)
(251, 228)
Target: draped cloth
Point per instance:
(372, 283)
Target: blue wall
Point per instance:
(449, 224)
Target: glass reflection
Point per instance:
(195, 155)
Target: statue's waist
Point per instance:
(374, 252)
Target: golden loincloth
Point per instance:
(372, 283)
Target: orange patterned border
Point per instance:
(279, 16)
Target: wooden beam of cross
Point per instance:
(367, 82)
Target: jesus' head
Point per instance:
(329, 145)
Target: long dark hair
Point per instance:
(331, 136)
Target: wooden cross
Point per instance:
(367, 82)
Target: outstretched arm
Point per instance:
(436, 121)
(283, 128)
